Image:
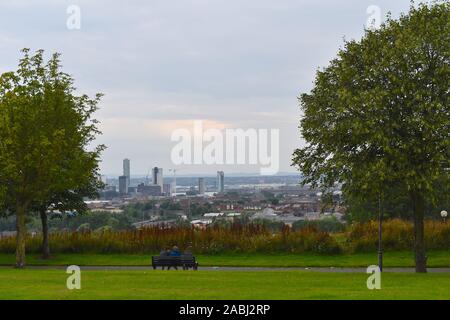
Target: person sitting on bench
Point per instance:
(175, 252)
(165, 252)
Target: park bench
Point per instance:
(186, 262)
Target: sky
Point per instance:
(164, 64)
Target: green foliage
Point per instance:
(274, 226)
(45, 129)
(170, 205)
(379, 113)
(199, 209)
(397, 235)
(328, 224)
(395, 203)
(235, 238)
(137, 211)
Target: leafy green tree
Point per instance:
(45, 129)
(379, 114)
(69, 200)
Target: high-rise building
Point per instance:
(220, 181)
(157, 174)
(126, 167)
(201, 185)
(123, 185)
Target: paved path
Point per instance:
(244, 269)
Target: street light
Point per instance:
(380, 237)
(444, 215)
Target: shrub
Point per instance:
(397, 235)
(328, 224)
(237, 238)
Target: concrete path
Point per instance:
(243, 269)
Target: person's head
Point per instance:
(175, 248)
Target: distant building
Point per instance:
(123, 185)
(126, 168)
(220, 181)
(213, 214)
(151, 190)
(132, 190)
(167, 189)
(157, 174)
(201, 185)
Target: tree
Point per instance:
(69, 200)
(396, 203)
(45, 129)
(379, 114)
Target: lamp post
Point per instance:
(380, 229)
(444, 215)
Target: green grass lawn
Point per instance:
(51, 284)
(391, 259)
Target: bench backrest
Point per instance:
(173, 260)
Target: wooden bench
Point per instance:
(186, 262)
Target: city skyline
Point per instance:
(163, 65)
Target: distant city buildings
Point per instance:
(220, 182)
(123, 185)
(201, 186)
(157, 175)
(124, 180)
(167, 189)
(150, 190)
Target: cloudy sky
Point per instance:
(162, 64)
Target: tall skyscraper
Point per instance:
(157, 174)
(220, 181)
(201, 185)
(123, 185)
(126, 168)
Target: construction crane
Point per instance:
(146, 177)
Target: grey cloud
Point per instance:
(237, 62)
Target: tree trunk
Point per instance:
(419, 242)
(45, 242)
(21, 236)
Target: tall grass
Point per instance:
(397, 235)
(237, 238)
(241, 238)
